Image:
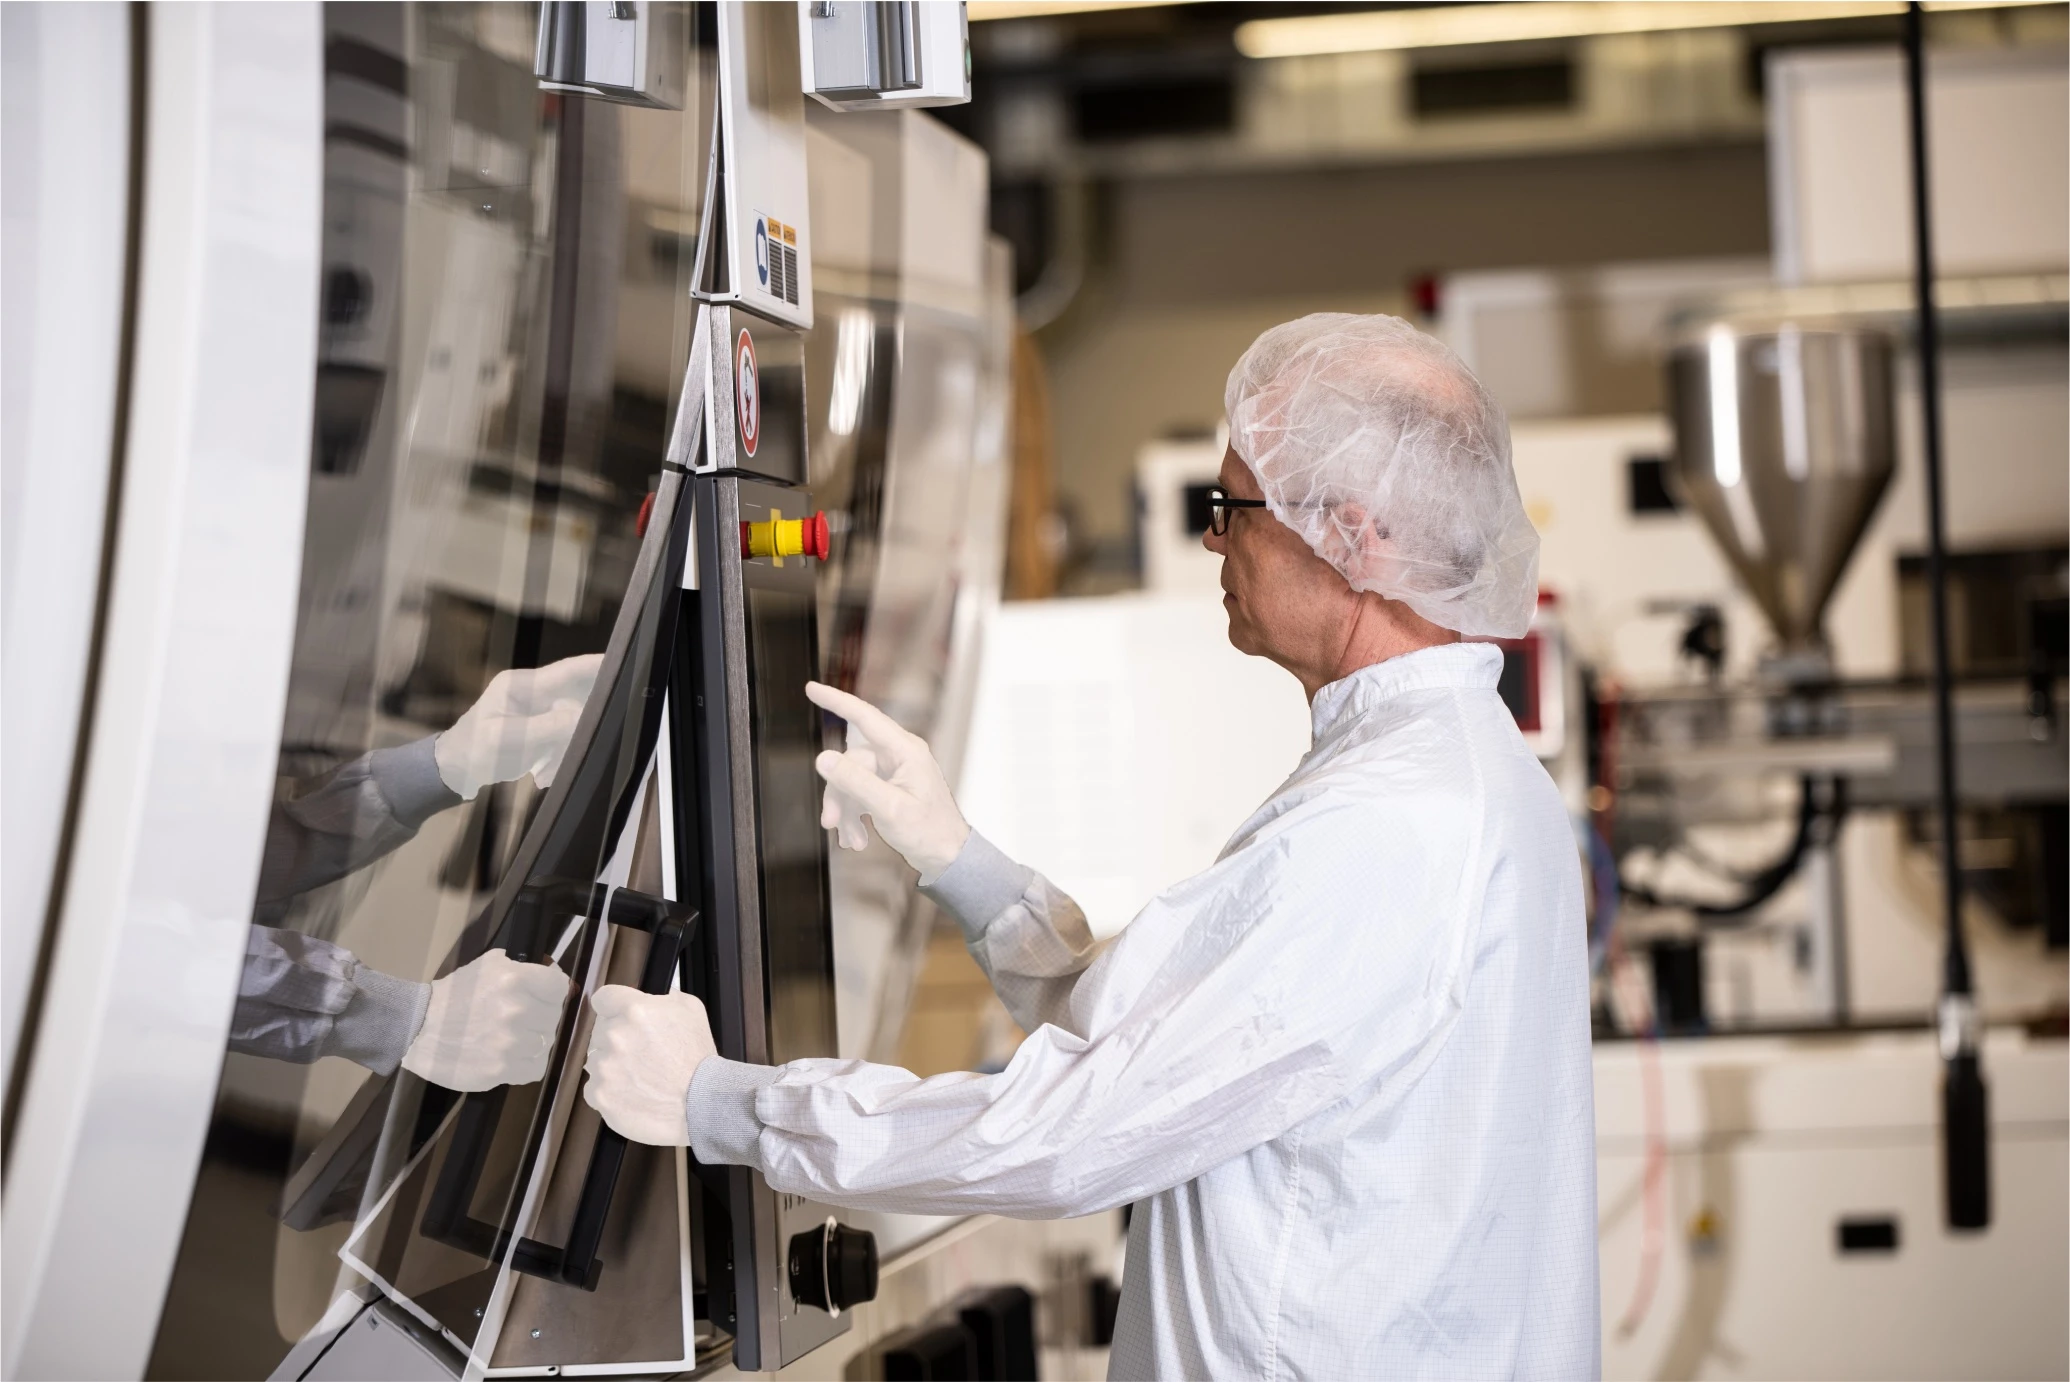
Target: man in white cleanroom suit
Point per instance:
(1343, 1075)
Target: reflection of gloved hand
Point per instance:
(894, 779)
(490, 1022)
(842, 813)
(520, 725)
(642, 1052)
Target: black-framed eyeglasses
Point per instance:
(1219, 504)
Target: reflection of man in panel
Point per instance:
(490, 1022)
(1343, 1074)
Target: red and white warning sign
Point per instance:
(747, 392)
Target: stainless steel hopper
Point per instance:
(1784, 443)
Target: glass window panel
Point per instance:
(504, 327)
(798, 946)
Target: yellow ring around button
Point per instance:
(779, 538)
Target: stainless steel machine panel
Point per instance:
(493, 272)
(763, 857)
(524, 290)
(1784, 442)
(758, 396)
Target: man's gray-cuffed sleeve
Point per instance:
(1031, 940)
(408, 777)
(328, 826)
(720, 1107)
(380, 1022)
(979, 884)
(301, 998)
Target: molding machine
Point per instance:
(1784, 444)
(521, 330)
(681, 844)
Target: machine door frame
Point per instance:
(770, 1327)
(197, 634)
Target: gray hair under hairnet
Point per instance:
(1379, 447)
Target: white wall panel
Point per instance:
(1840, 169)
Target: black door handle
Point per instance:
(446, 1212)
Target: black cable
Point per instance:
(1956, 977)
(1965, 1126)
(1713, 865)
(1764, 883)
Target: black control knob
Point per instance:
(834, 1267)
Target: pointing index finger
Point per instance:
(871, 792)
(881, 730)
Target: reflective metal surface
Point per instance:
(505, 322)
(769, 981)
(1784, 442)
(643, 1312)
(757, 381)
(907, 373)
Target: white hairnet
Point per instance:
(1374, 443)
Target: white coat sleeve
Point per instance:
(1312, 965)
(1030, 939)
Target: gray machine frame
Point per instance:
(770, 1326)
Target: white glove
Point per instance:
(894, 779)
(520, 725)
(643, 1050)
(491, 1022)
(842, 813)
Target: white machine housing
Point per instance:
(1170, 475)
(767, 233)
(614, 49)
(884, 54)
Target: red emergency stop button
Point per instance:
(816, 540)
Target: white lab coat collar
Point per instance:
(1469, 666)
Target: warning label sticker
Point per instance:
(747, 392)
(776, 258)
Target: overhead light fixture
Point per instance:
(1442, 26)
(1029, 9)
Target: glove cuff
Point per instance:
(410, 783)
(979, 884)
(720, 1107)
(380, 1022)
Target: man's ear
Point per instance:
(1357, 541)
